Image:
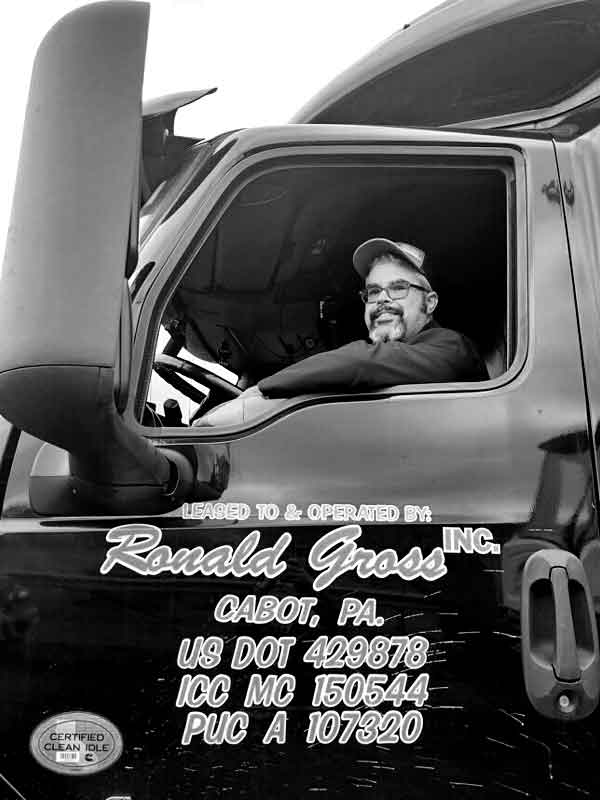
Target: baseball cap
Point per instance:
(369, 250)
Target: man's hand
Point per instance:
(234, 407)
(253, 391)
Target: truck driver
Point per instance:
(406, 344)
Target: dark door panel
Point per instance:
(108, 644)
(514, 459)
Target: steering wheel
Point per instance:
(172, 369)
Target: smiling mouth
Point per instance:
(385, 316)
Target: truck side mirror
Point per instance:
(64, 366)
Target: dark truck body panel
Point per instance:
(481, 65)
(109, 644)
(513, 459)
(516, 456)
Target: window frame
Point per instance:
(209, 209)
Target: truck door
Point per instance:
(448, 488)
(441, 466)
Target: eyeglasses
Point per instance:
(395, 291)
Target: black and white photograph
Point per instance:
(300, 400)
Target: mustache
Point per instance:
(386, 309)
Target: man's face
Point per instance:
(397, 320)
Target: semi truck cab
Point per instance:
(149, 278)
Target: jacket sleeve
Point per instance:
(436, 356)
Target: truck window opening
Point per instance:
(273, 283)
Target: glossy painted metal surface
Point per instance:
(580, 186)
(74, 639)
(72, 239)
(488, 64)
(73, 197)
(514, 458)
(168, 103)
(163, 153)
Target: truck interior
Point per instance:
(272, 281)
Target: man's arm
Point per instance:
(436, 355)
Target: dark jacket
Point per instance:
(434, 355)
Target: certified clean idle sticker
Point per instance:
(76, 743)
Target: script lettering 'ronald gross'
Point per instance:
(138, 547)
